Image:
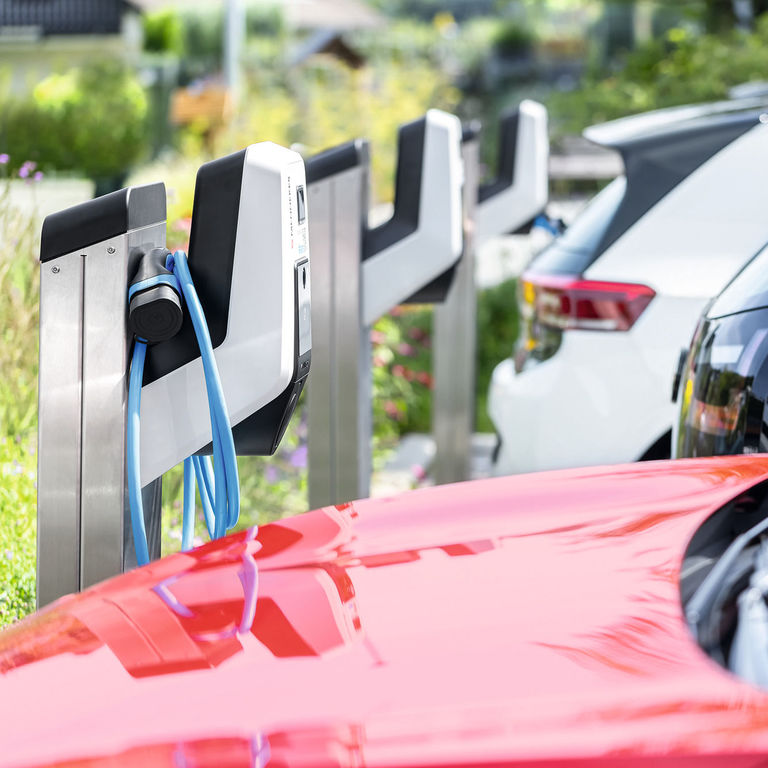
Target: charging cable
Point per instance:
(155, 315)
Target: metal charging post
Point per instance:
(362, 273)
(504, 205)
(340, 386)
(454, 343)
(87, 255)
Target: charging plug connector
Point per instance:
(154, 299)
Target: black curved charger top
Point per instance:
(336, 160)
(408, 179)
(506, 158)
(211, 260)
(100, 219)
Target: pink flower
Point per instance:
(399, 371)
(377, 337)
(424, 378)
(417, 334)
(391, 409)
(418, 471)
(405, 349)
(379, 361)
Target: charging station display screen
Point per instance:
(304, 307)
(301, 205)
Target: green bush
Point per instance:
(91, 120)
(513, 39)
(203, 34)
(498, 325)
(264, 20)
(164, 32)
(681, 68)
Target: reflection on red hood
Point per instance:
(523, 621)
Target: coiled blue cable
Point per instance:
(221, 509)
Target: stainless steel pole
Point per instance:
(87, 254)
(339, 389)
(454, 346)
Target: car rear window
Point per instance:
(575, 249)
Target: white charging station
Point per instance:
(417, 256)
(361, 273)
(503, 205)
(424, 236)
(249, 260)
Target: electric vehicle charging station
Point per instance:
(340, 428)
(249, 257)
(362, 273)
(511, 201)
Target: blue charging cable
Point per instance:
(217, 482)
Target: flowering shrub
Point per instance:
(402, 364)
(18, 406)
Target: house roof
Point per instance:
(64, 17)
(330, 14)
(339, 15)
(326, 41)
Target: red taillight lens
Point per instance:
(568, 303)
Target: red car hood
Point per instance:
(518, 620)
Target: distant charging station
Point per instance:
(504, 205)
(249, 261)
(419, 255)
(363, 272)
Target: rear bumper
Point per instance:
(603, 398)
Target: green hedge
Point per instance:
(679, 68)
(90, 120)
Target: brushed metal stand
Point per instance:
(339, 389)
(83, 525)
(454, 346)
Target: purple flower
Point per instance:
(39, 176)
(27, 168)
(271, 474)
(298, 458)
(4, 158)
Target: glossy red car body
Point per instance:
(533, 621)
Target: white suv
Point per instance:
(607, 307)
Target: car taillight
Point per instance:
(573, 303)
